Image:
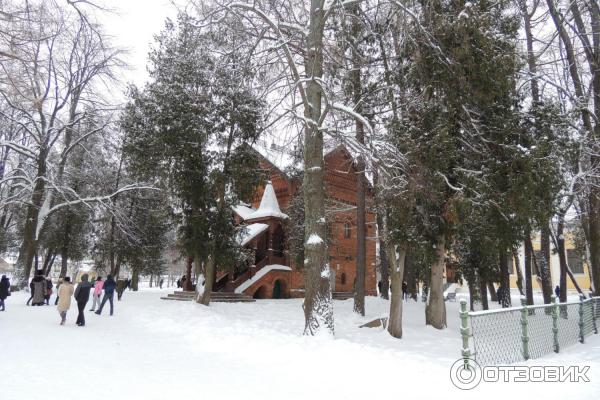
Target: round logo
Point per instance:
(465, 373)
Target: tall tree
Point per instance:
(188, 126)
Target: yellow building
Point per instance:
(575, 260)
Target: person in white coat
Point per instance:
(65, 291)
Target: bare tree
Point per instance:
(50, 89)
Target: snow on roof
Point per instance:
(263, 271)
(314, 240)
(269, 206)
(250, 232)
(278, 155)
(243, 211)
(282, 155)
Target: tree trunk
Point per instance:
(135, 279)
(594, 197)
(64, 261)
(504, 298)
(435, 311)
(117, 267)
(151, 277)
(528, 272)
(531, 62)
(384, 269)
(594, 243)
(361, 186)
(544, 264)
(318, 310)
(209, 271)
(484, 293)
(562, 258)
(410, 276)
(492, 290)
(49, 264)
(397, 269)
(188, 274)
(361, 245)
(517, 263)
(114, 270)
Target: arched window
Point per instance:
(347, 230)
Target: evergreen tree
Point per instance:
(187, 126)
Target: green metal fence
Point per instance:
(509, 335)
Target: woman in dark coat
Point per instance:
(4, 290)
(82, 295)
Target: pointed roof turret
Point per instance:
(269, 206)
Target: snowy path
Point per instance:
(154, 349)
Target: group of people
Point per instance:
(41, 290)
(405, 294)
(82, 295)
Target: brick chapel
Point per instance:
(272, 274)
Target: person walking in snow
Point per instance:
(82, 295)
(31, 290)
(404, 290)
(39, 289)
(557, 291)
(60, 281)
(160, 283)
(109, 292)
(4, 291)
(97, 292)
(49, 287)
(65, 291)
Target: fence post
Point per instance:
(581, 335)
(555, 323)
(464, 330)
(593, 307)
(524, 328)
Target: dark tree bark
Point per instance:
(135, 279)
(505, 261)
(517, 263)
(210, 274)
(492, 290)
(397, 266)
(562, 257)
(472, 294)
(64, 251)
(484, 293)
(384, 268)
(528, 272)
(29, 245)
(544, 264)
(410, 276)
(114, 269)
(318, 311)
(435, 311)
(188, 274)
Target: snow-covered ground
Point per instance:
(156, 349)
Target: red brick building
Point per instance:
(273, 274)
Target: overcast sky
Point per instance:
(132, 25)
